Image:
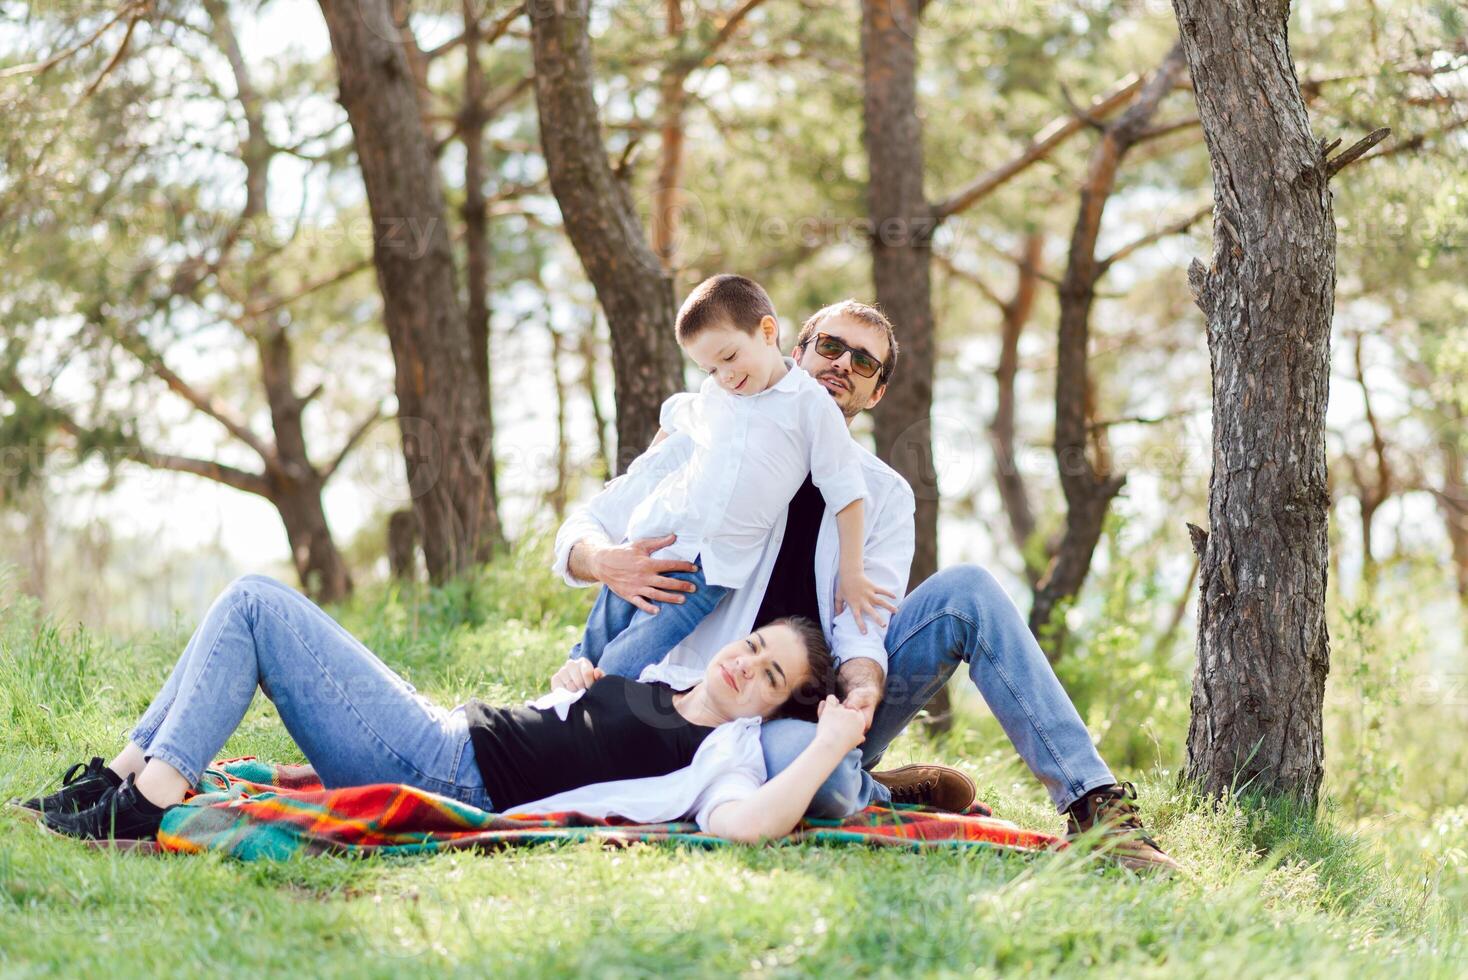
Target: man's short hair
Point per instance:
(857, 311)
(724, 300)
(821, 678)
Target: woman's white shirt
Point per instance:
(729, 765)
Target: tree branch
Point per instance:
(1041, 146)
(355, 437)
(41, 67)
(1176, 228)
(228, 475)
(153, 361)
(1347, 157)
(276, 302)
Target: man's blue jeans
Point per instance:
(960, 616)
(623, 640)
(356, 720)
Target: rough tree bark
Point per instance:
(1263, 650)
(441, 409)
(633, 288)
(473, 118)
(1086, 477)
(903, 223)
(902, 228)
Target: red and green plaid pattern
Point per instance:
(253, 810)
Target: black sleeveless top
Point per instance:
(619, 729)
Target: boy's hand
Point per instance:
(839, 725)
(855, 590)
(576, 675)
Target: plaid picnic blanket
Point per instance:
(257, 810)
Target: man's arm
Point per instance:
(629, 569)
(859, 683)
(586, 546)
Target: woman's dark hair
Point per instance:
(819, 681)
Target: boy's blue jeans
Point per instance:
(623, 640)
(959, 617)
(356, 720)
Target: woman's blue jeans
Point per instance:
(356, 720)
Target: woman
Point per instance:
(647, 751)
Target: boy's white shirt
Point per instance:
(750, 454)
(729, 765)
(887, 552)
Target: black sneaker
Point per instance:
(122, 814)
(81, 787)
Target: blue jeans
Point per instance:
(623, 640)
(355, 719)
(959, 616)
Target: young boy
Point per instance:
(758, 426)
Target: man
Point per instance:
(889, 673)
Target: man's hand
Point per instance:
(631, 572)
(576, 675)
(859, 682)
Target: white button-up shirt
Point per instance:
(887, 552)
(750, 454)
(728, 765)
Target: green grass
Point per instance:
(1268, 893)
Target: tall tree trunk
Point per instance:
(441, 409)
(586, 347)
(1263, 649)
(631, 284)
(1086, 478)
(1012, 489)
(902, 227)
(402, 544)
(673, 99)
(293, 483)
(475, 212)
(1452, 501)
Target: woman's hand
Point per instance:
(576, 675)
(857, 592)
(841, 727)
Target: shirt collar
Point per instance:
(790, 382)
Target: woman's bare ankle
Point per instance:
(161, 784)
(129, 761)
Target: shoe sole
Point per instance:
(18, 809)
(126, 845)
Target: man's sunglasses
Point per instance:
(832, 348)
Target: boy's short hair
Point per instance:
(724, 300)
(821, 678)
(857, 311)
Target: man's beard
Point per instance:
(844, 399)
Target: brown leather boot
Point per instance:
(930, 785)
(1123, 837)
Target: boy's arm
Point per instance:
(854, 591)
(887, 555)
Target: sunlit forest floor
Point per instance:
(1267, 893)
